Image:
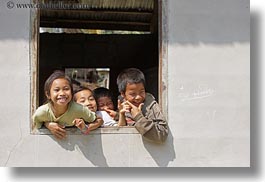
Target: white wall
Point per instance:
(15, 80)
(210, 82)
(208, 91)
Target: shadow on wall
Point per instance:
(11, 18)
(161, 153)
(94, 154)
(222, 22)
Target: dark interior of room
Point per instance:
(114, 51)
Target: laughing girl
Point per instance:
(60, 111)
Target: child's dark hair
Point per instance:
(55, 75)
(79, 89)
(130, 75)
(102, 92)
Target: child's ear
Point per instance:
(47, 95)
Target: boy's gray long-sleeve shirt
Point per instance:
(151, 122)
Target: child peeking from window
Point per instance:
(85, 97)
(104, 101)
(139, 108)
(60, 111)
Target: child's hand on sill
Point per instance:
(57, 130)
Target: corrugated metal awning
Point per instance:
(134, 15)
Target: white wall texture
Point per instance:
(209, 79)
(208, 96)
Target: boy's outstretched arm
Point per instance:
(96, 124)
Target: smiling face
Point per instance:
(86, 98)
(60, 93)
(134, 93)
(105, 103)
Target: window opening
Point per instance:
(106, 50)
